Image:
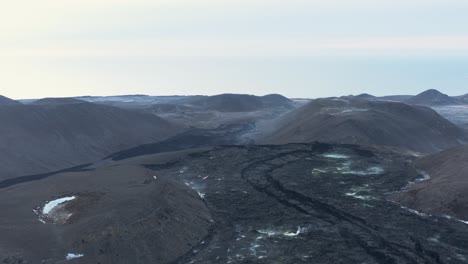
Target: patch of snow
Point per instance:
(350, 110)
(71, 256)
(267, 232)
(298, 232)
(316, 171)
(361, 197)
(52, 204)
(155, 177)
(425, 177)
(456, 219)
(434, 239)
(270, 232)
(335, 156)
(415, 212)
(369, 171)
(460, 257)
(202, 195)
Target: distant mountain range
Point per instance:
(429, 98)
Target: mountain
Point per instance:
(433, 98)
(417, 128)
(445, 189)
(7, 101)
(239, 102)
(463, 98)
(41, 138)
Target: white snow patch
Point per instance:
(369, 171)
(298, 232)
(52, 204)
(415, 212)
(335, 156)
(351, 110)
(424, 177)
(270, 232)
(361, 197)
(71, 256)
(456, 219)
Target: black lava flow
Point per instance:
(313, 203)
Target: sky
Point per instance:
(298, 48)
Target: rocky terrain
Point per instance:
(210, 112)
(445, 190)
(49, 136)
(457, 114)
(416, 128)
(298, 203)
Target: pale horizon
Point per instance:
(298, 49)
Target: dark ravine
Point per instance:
(36, 177)
(192, 138)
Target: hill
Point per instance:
(433, 98)
(116, 214)
(445, 191)
(41, 138)
(366, 122)
(7, 101)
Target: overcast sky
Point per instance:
(297, 48)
